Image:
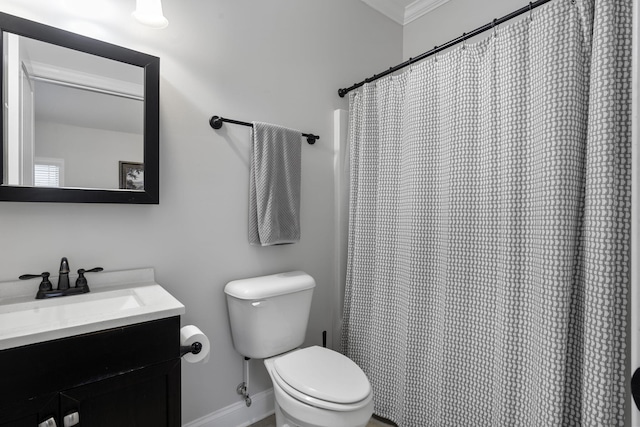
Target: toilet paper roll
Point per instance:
(190, 334)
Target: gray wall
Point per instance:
(279, 61)
(75, 144)
(450, 20)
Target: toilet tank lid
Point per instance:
(270, 286)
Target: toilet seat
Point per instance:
(322, 378)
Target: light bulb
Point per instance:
(149, 12)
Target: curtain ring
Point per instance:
(493, 24)
(530, 11)
(464, 41)
(435, 55)
(410, 64)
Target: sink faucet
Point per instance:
(63, 279)
(46, 288)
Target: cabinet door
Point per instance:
(30, 412)
(148, 397)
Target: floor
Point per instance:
(271, 422)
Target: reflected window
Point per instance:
(48, 172)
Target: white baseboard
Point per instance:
(238, 414)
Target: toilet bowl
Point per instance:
(313, 386)
(318, 387)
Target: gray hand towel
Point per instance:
(274, 194)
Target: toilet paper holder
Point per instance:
(194, 348)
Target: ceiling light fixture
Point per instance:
(149, 13)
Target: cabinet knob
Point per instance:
(51, 422)
(71, 419)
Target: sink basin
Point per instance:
(26, 321)
(22, 316)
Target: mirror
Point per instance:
(80, 118)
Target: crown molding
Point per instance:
(392, 9)
(80, 79)
(403, 11)
(418, 8)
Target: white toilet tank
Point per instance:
(269, 314)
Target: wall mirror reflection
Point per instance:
(71, 116)
(76, 110)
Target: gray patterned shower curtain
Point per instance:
(489, 226)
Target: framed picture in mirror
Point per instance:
(131, 176)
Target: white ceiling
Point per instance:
(404, 11)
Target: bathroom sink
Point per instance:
(22, 316)
(24, 320)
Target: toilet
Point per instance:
(313, 386)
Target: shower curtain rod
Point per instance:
(216, 123)
(436, 49)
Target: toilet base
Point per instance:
(283, 420)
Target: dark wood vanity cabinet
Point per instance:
(124, 377)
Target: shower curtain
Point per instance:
(488, 254)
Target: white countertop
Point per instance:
(117, 298)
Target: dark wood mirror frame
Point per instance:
(151, 66)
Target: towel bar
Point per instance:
(216, 123)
